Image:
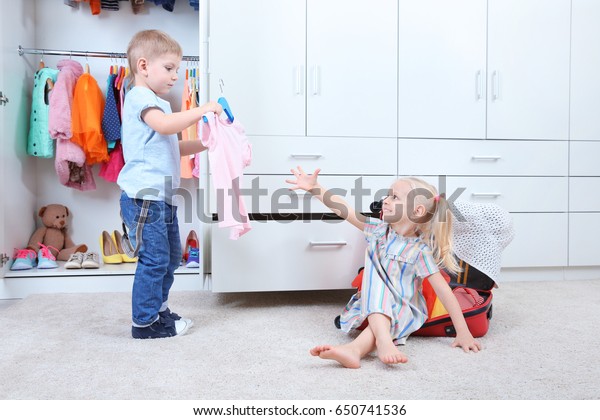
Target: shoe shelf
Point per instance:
(106, 279)
(103, 270)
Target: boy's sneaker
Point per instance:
(45, 257)
(161, 328)
(24, 259)
(193, 259)
(175, 317)
(74, 261)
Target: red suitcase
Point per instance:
(477, 317)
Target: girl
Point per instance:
(404, 248)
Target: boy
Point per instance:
(151, 174)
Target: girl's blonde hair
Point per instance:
(436, 224)
(149, 44)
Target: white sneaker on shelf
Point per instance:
(75, 260)
(90, 260)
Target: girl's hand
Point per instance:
(303, 181)
(467, 343)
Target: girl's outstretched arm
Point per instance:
(334, 202)
(463, 339)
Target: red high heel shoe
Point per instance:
(191, 242)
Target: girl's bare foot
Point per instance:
(344, 355)
(389, 354)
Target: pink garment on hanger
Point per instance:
(70, 158)
(110, 170)
(229, 152)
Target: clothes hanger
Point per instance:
(223, 102)
(49, 82)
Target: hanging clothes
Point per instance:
(88, 108)
(111, 120)
(111, 169)
(39, 142)
(229, 152)
(168, 5)
(70, 159)
(188, 101)
(137, 6)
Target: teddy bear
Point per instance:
(54, 233)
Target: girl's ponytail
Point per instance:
(436, 224)
(441, 235)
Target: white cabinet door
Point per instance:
(585, 68)
(3, 158)
(442, 68)
(17, 187)
(540, 240)
(583, 239)
(352, 68)
(528, 69)
(258, 50)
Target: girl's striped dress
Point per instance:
(395, 267)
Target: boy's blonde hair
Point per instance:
(436, 224)
(149, 44)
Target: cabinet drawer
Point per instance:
(299, 255)
(271, 194)
(483, 157)
(584, 158)
(540, 241)
(583, 239)
(583, 194)
(338, 156)
(515, 194)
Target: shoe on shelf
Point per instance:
(74, 261)
(191, 242)
(193, 259)
(118, 239)
(90, 260)
(45, 257)
(110, 254)
(24, 259)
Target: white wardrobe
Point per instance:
(498, 97)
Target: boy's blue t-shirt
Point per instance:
(152, 160)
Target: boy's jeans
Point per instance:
(159, 256)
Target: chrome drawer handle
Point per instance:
(486, 194)
(328, 243)
(486, 157)
(306, 156)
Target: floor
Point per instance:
(5, 303)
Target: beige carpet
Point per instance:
(543, 344)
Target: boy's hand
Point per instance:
(214, 107)
(467, 343)
(303, 181)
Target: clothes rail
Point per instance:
(98, 54)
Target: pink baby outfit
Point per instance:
(70, 158)
(229, 152)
